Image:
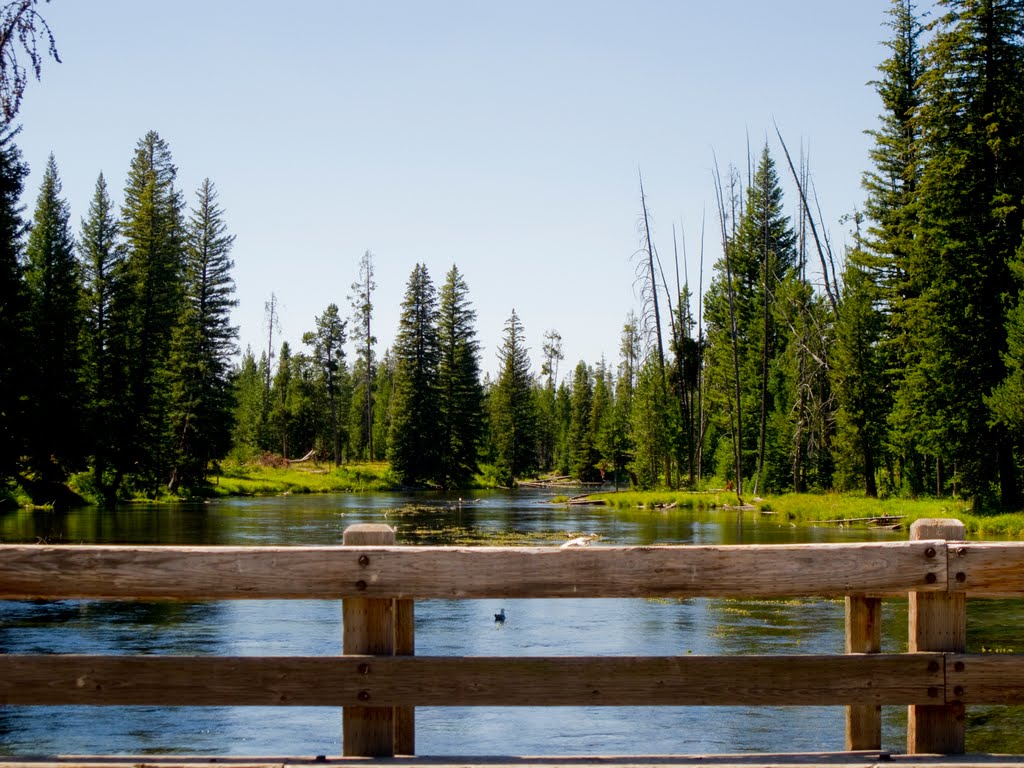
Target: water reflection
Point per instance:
(532, 627)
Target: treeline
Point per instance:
(896, 367)
(115, 345)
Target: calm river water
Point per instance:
(538, 627)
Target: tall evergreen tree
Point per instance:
(56, 445)
(328, 343)
(201, 406)
(362, 334)
(13, 309)
(145, 313)
(459, 391)
(413, 440)
(101, 256)
(582, 452)
(968, 227)
(513, 411)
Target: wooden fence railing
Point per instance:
(379, 681)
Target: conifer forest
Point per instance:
(891, 366)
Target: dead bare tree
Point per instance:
(23, 30)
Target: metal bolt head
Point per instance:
(961, 551)
(961, 576)
(933, 666)
(959, 666)
(930, 552)
(363, 696)
(361, 585)
(933, 693)
(363, 669)
(930, 578)
(958, 690)
(364, 560)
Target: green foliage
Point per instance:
(513, 408)
(459, 392)
(328, 344)
(413, 440)
(14, 384)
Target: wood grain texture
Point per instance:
(368, 627)
(50, 572)
(863, 635)
(988, 679)
(989, 569)
(380, 682)
(937, 622)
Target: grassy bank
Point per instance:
(261, 480)
(829, 508)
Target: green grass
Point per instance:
(831, 507)
(258, 480)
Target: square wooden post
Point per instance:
(863, 635)
(381, 627)
(938, 622)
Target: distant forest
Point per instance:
(894, 368)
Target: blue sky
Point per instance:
(504, 137)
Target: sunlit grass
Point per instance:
(259, 480)
(833, 508)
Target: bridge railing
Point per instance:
(378, 680)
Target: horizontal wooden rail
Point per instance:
(482, 681)
(117, 572)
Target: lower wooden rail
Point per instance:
(378, 681)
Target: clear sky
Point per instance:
(503, 137)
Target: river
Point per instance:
(533, 627)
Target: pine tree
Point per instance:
(460, 394)
(328, 344)
(13, 310)
(145, 314)
(362, 317)
(201, 405)
(383, 388)
(513, 410)
(414, 437)
(56, 319)
(101, 256)
(968, 227)
(582, 453)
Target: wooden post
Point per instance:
(863, 635)
(938, 622)
(378, 627)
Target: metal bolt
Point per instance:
(961, 576)
(958, 690)
(961, 551)
(361, 585)
(933, 693)
(930, 552)
(959, 666)
(930, 578)
(364, 560)
(363, 696)
(363, 669)
(933, 666)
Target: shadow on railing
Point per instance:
(379, 681)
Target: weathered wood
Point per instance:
(863, 635)
(938, 622)
(837, 759)
(988, 679)
(368, 627)
(990, 569)
(382, 682)
(213, 573)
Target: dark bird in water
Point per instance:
(500, 617)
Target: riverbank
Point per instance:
(825, 508)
